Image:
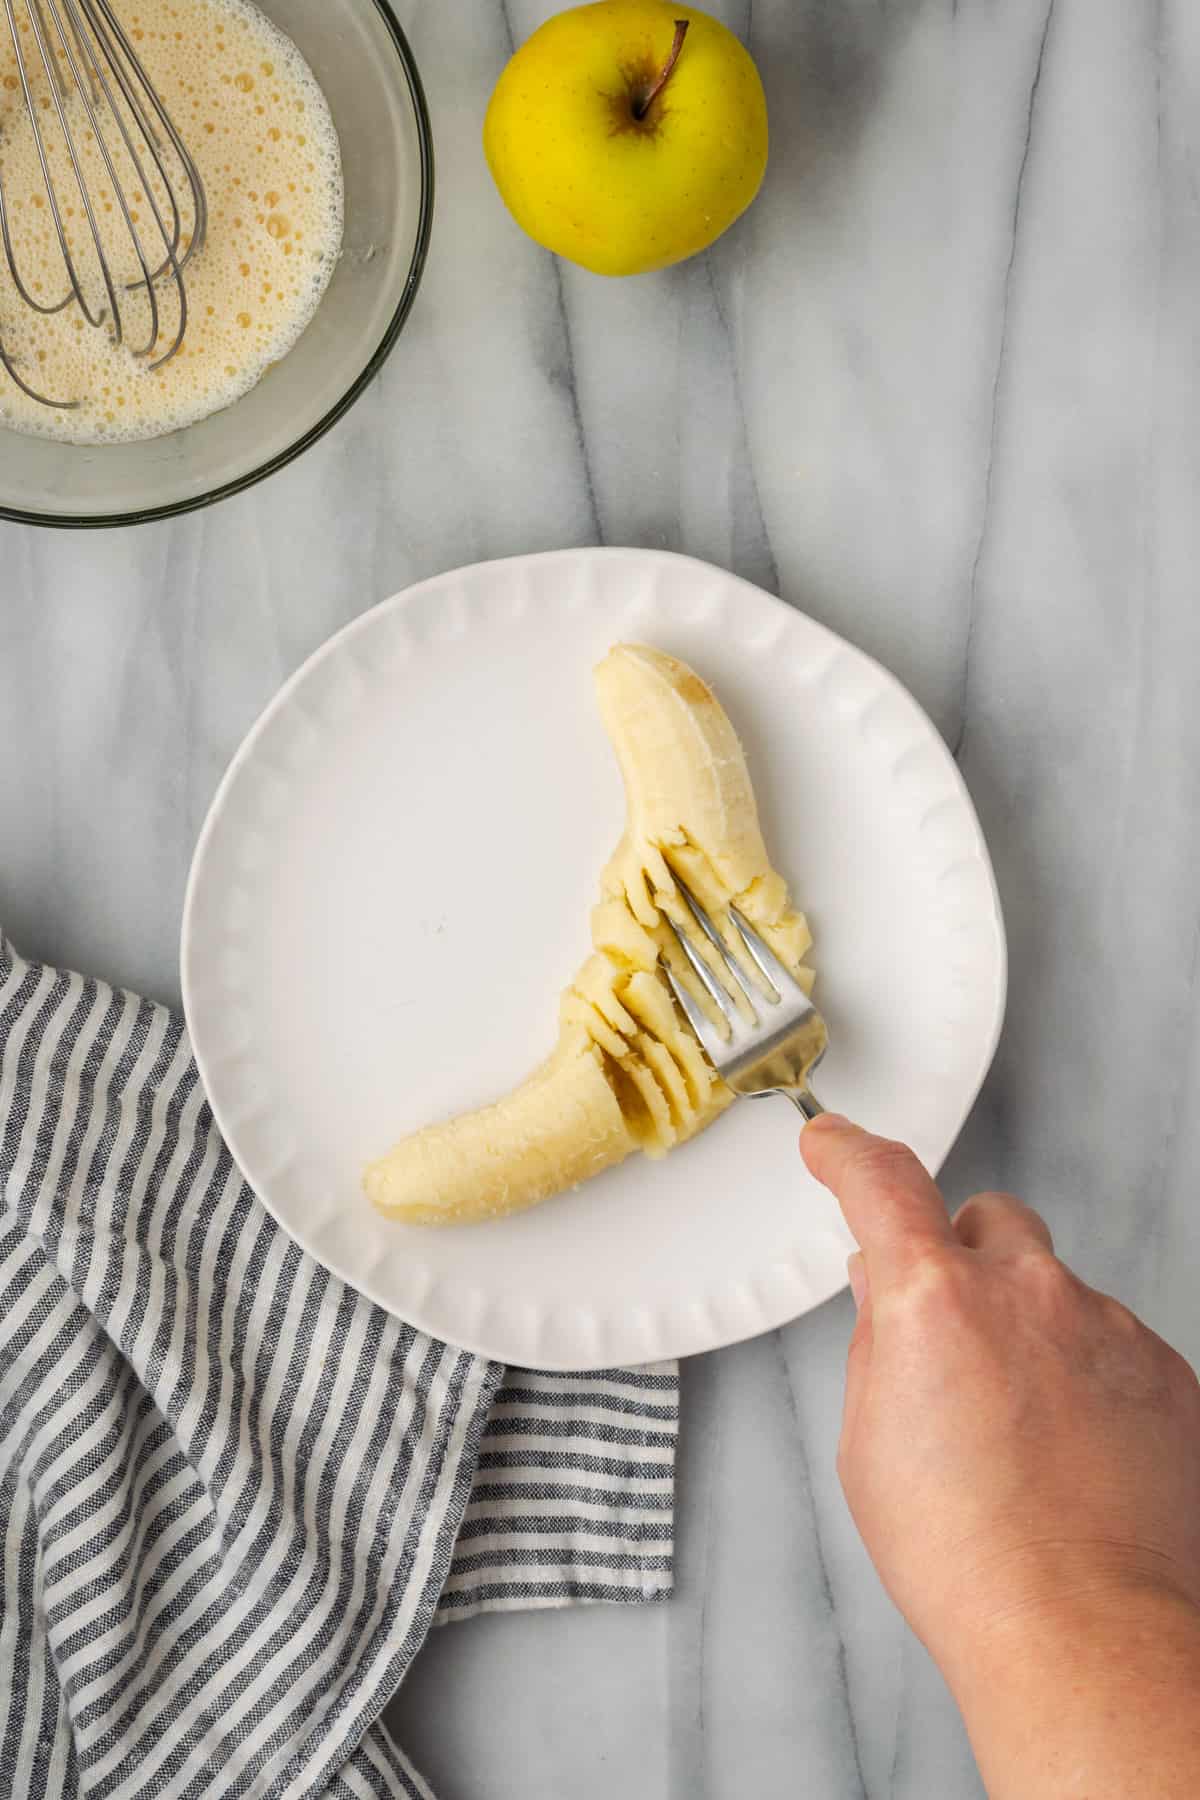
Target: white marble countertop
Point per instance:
(941, 388)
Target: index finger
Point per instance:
(888, 1199)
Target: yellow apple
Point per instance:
(628, 134)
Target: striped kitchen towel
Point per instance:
(234, 1494)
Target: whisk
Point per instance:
(95, 113)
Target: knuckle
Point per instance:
(968, 1213)
(998, 1198)
(883, 1163)
(938, 1274)
(1119, 1320)
(1029, 1216)
(1049, 1279)
(973, 1215)
(936, 1288)
(973, 1219)
(1182, 1376)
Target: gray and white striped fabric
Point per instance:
(234, 1494)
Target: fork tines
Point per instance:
(777, 983)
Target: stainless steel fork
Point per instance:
(772, 1049)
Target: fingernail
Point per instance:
(856, 1269)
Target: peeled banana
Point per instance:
(627, 1073)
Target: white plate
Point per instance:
(393, 885)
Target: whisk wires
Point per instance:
(94, 113)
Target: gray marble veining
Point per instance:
(941, 388)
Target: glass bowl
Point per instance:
(362, 61)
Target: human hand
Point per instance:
(1020, 1453)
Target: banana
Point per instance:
(627, 1073)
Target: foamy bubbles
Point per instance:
(260, 131)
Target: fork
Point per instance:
(776, 1049)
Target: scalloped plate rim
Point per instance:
(707, 1332)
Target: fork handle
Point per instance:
(804, 1102)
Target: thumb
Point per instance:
(858, 1354)
(889, 1201)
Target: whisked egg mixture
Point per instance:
(259, 129)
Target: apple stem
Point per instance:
(642, 106)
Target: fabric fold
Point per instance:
(235, 1494)
(573, 1498)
